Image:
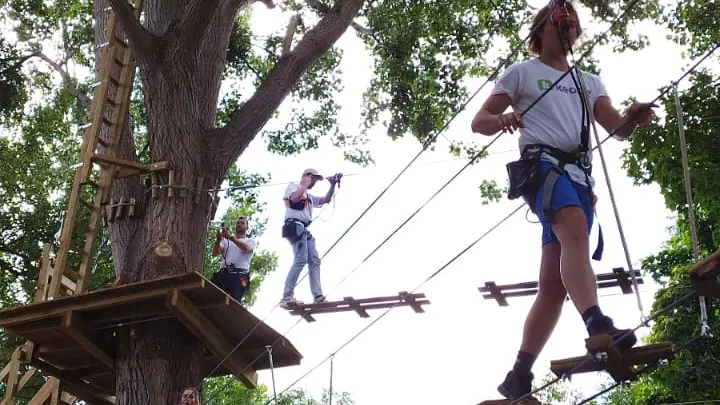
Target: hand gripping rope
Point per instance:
(614, 342)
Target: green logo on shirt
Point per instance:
(545, 84)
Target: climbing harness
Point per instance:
(705, 329)
(524, 174)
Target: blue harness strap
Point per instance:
(548, 185)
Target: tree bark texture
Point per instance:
(181, 50)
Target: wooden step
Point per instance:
(705, 276)
(621, 365)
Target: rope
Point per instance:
(689, 197)
(611, 193)
(330, 394)
(272, 371)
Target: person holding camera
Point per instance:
(237, 251)
(298, 216)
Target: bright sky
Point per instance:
(463, 345)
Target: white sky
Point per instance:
(463, 345)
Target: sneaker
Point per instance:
(320, 299)
(627, 338)
(287, 303)
(516, 386)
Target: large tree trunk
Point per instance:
(181, 55)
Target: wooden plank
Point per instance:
(198, 324)
(621, 365)
(306, 310)
(705, 276)
(72, 325)
(104, 298)
(76, 386)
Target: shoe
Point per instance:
(623, 338)
(516, 386)
(320, 299)
(287, 303)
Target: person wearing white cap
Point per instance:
(298, 216)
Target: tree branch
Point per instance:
(255, 113)
(82, 97)
(322, 9)
(192, 29)
(143, 43)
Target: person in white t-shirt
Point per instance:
(237, 253)
(554, 177)
(298, 216)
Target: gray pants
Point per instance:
(305, 253)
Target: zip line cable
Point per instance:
(475, 157)
(644, 323)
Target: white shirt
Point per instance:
(554, 120)
(234, 255)
(304, 215)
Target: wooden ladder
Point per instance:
(51, 392)
(116, 56)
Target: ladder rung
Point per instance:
(92, 184)
(110, 101)
(119, 62)
(107, 122)
(102, 142)
(114, 81)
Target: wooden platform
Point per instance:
(75, 338)
(361, 306)
(620, 365)
(705, 276)
(500, 293)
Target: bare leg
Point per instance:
(546, 309)
(570, 226)
(539, 324)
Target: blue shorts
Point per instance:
(566, 193)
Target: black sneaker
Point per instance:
(624, 339)
(516, 386)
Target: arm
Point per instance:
(217, 249)
(610, 119)
(298, 194)
(328, 196)
(486, 120)
(245, 247)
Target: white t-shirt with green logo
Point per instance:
(554, 120)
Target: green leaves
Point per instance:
(422, 52)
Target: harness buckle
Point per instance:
(584, 161)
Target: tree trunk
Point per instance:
(181, 81)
